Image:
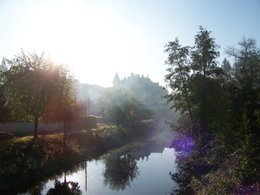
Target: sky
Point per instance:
(97, 38)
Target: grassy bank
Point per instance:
(25, 161)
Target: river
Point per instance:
(139, 169)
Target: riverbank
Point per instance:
(119, 171)
(25, 161)
(213, 170)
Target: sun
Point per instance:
(92, 41)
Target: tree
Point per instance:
(204, 53)
(178, 78)
(195, 82)
(120, 106)
(245, 99)
(29, 83)
(62, 106)
(224, 101)
(204, 64)
(246, 81)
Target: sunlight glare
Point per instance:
(93, 42)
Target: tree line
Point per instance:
(219, 101)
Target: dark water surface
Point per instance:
(138, 170)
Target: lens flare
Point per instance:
(183, 145)
(250, 188)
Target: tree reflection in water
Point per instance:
(119, 171)
(66, 188)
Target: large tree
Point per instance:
(224, 103)
(204, 66)
(245, 85)
(63, 105)
(193, 80)
(245, 89)
(178, 78)
(29, 83)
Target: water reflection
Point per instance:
(65, 187)
(136, 169)
(119, 171)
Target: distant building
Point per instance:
(3, 65)
(148, 93)
(116, 81)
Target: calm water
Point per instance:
(142, 170)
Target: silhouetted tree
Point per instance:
(222, 104)
(192, 74)
(62, 106)
(32, 82)
(28, 84)
(245, 99)
(178, 79)
(204, 66)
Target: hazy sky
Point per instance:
(98, 38)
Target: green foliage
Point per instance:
(120, 106)
(31, 83)
(63, 105)
(20, 158)
(178, 76)
(222, 105)
(245, 105)
(5, 111)
(194, 80)
(204, 53)
(28, 84)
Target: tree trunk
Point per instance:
(65, 126)
(204, 103)
(36, 121)
(194, 127)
